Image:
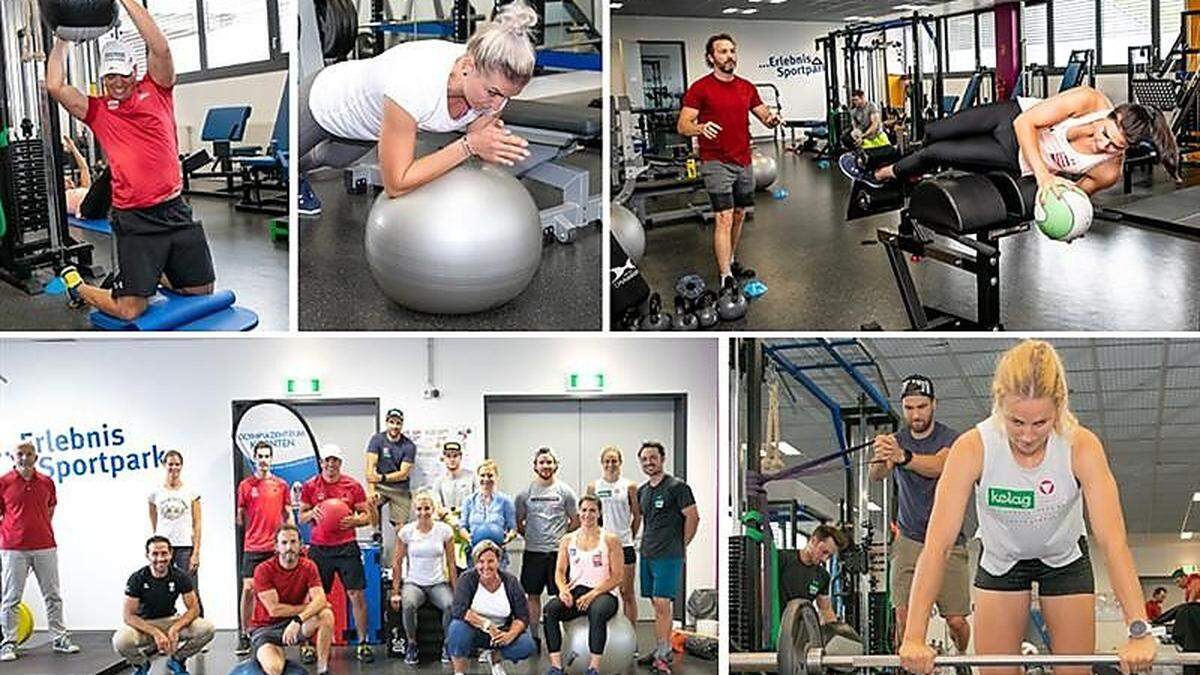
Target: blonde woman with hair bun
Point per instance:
(1031, 467)
(349, 108)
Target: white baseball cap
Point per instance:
(116, 59)
(332, 450)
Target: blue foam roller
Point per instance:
(168, 311)
(251, 667)
(100, 225)
(230, 319)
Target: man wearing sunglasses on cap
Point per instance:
(914, 457)
(390, 458)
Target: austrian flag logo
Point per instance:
(1046, 486)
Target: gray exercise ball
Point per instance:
(765, 170)
(628, 230)
(618, 648)
(465, 242)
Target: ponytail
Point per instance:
(1144, 123)
(503, 45)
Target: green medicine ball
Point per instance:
(1063, 213)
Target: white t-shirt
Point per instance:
(614, 506)
(347, 98)
(174, 508)
(492, 605)
(451, 492)
(426, 553)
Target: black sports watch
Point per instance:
(1138, 629)
(908, 455)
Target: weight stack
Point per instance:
(879, 638)
(26, 206)
(743, 595)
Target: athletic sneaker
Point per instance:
(445, 655)
(63, 645)
(849, 165)
(176, 667)
(647, 660)
(142, 670)
(661, 666)
(308, 654)
(485, 656)
(364, 654)
(498, 668)
(741, 272)
(411, 655)
(243, 646)
(72, 280)
(8, 653)
(308, 203)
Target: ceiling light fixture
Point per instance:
(1185, 535)
(730, 10)
(786, 448)
(752, 10)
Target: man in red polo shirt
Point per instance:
(290, 605)
(1190, 583)
(333, 546)
(27, 501)
(263, 506)
(134, 122)
(716, 109)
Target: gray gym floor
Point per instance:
(246, 260)
(220, 659)
(337, 292)
(826, 274)
(95, 655)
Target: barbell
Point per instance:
(801, 652)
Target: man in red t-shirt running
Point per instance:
(290, 606)
(333, 546)
(157, 236)
(27, 501)
(1190, 583)
(716, 109)
(263, 506)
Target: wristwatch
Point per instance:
(1138, 629)
(907, 458)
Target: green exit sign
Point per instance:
(585, 381)
(302, 386)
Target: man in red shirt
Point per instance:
(716, 109)
(27, 501)
(1190, 583)
(263, 506)
(290, 605)
(134, 122)
(1154, 604)
(333, 547)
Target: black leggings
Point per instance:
(980, 137)
(598, 613)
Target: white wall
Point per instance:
(801, 88)
(177, 393)
(261, 92)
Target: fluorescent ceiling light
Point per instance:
(616, 5)
(851, 18)
(730, 10)
(1196, 496)
(1185, 535)
(752, 10)
(776, 2)
(872, 506)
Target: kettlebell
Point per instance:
(731, 304)
(654, 319)
(684, 319)
(706, 309)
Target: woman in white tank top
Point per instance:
(586, 575)
(1078, 133)
(622, 516)
(1032, 466)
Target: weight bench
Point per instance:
(267, 171)
(170, 311)
(974, 211)
(223, 127)
(100, 226)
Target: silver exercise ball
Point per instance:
(764, 169)
(628, 230)
(465, 242)
(618, 649)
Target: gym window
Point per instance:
(1123, 24)
(213, 39)
(1034, 20)
(960, 43)
(987, 39)
(1074, 27)
(1168, 21)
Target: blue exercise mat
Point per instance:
(100, 225)
(171, 311)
